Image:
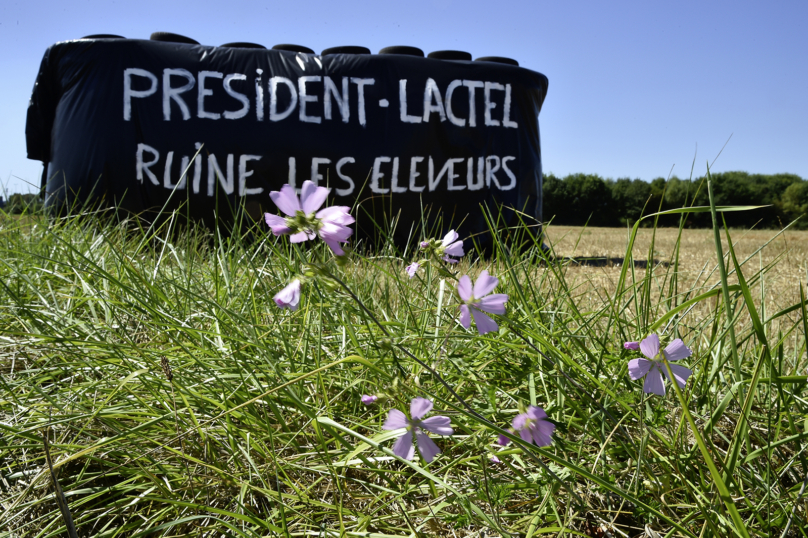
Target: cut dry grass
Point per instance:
(780, 257)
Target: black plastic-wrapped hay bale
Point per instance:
(404, 50)
(103, 36)
(243, 45)
(450, 55)
(499, 60)
(345, 49)
(293, 48)
(155, 125)
(169, 37)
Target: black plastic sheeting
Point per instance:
(148, 125)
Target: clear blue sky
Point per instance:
(635, 86)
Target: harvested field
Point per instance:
(780, 256)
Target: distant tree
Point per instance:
(657, 192)
(769, 190)
(795, 203)
(578, 199)
(23, 203)
(630, 197)
(553, 198)
(742, 188)
(679, 193)
(686, 193)
(655, 201)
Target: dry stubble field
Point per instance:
(784, 261)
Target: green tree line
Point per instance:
(579, 199)
(22, 203)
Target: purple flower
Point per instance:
(334, 229)
(494, 459)
(403, 447)
(533, 427)
(424, 245)
(304, 221)
(653, 369)
(632, 345)
(413, 268)
(450, 246)
(289, 297)
(478, 301)
(367, 400)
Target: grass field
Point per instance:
(179, 400)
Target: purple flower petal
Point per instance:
(454, 249)
(502, 440)
(539, 430)
(679, 372)
(536, 413)
(395, 420)
(546, 426)
(336, 214)
(412, 269)
(277, 224)
(289, 297)
(484, 285)
(450, 237)
(447, 259)
(542, 433)
(438, 424)
(484, 323)
(677, 350)
(632, 345)
(526, 435)
(334, 232)
(299, 237)
(403, 448)
(424, 244)
(653, 383)
(493, 304)
(274, 220)
(334, 246)
(367, 400)
(281, 230)
(465, 316)
(286, 200)
(419, 407)
(426, 446)
(494, 459)
(312, 196)
(464, 289)
(638, 368)
(650, 346)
